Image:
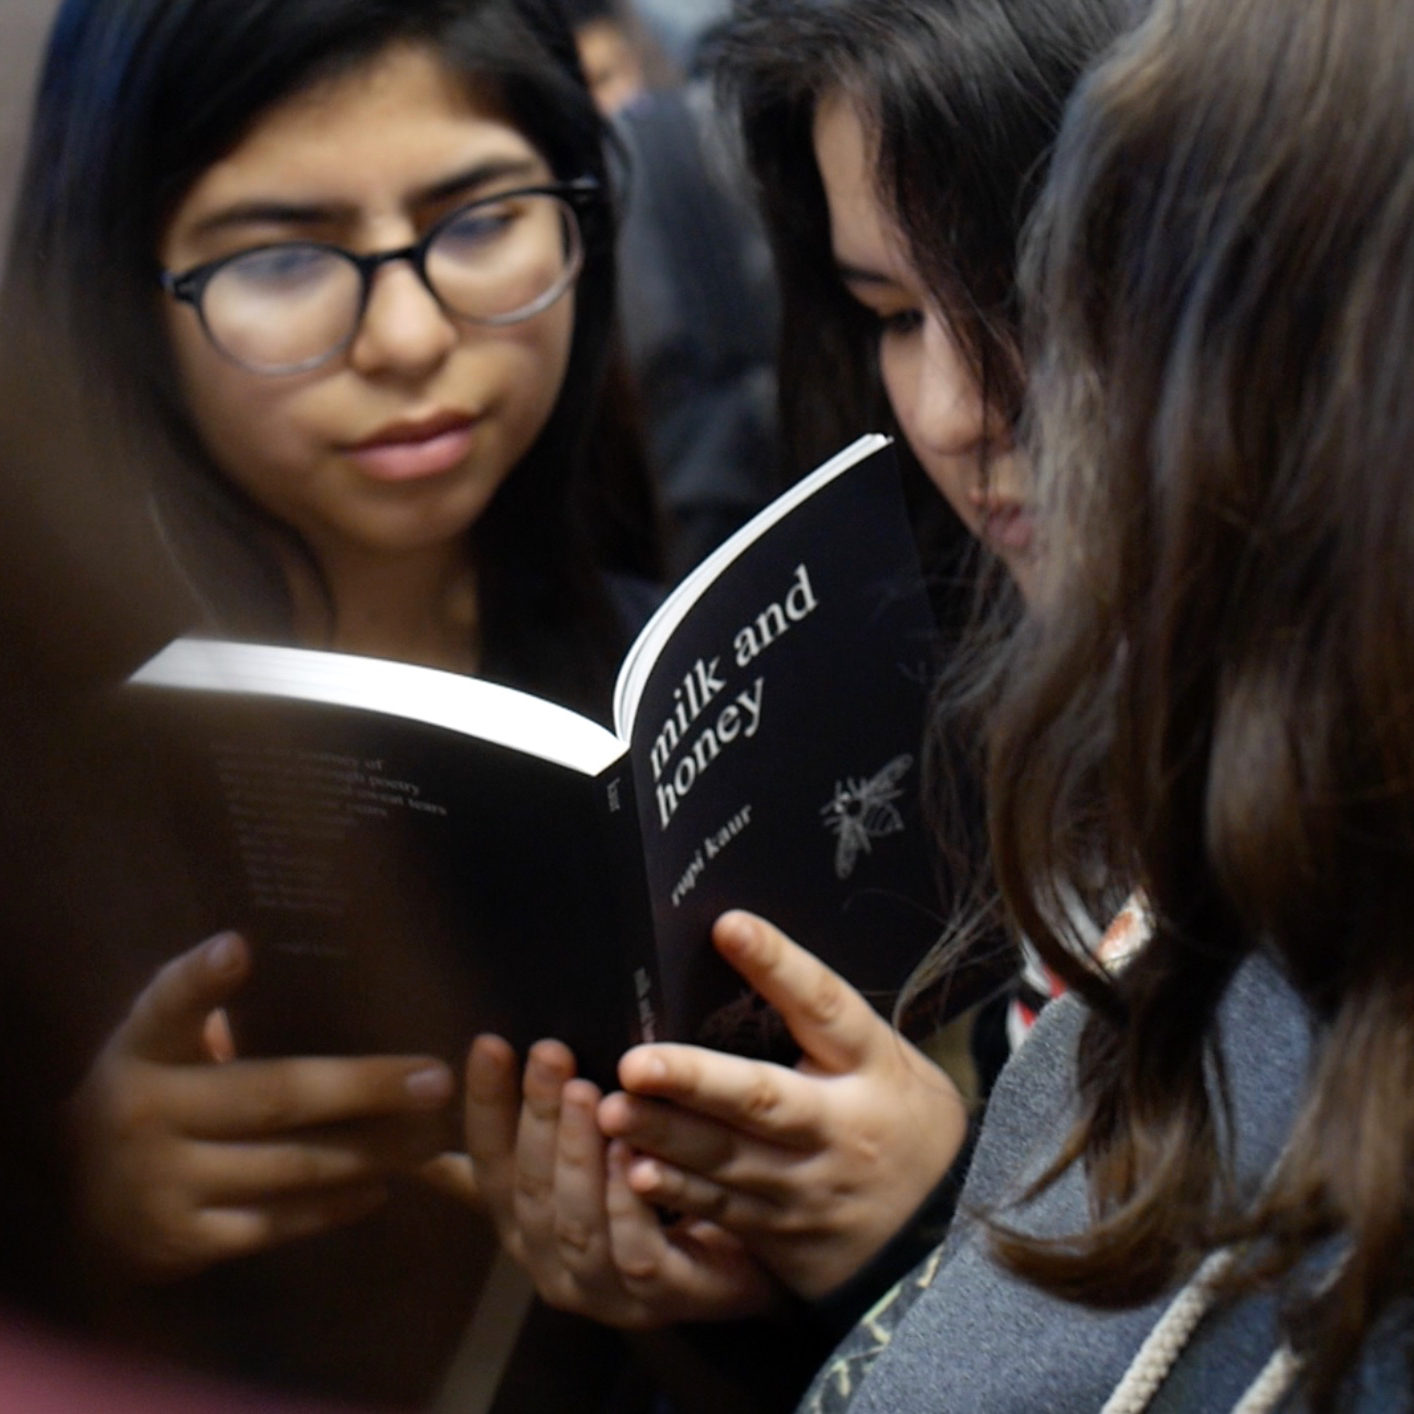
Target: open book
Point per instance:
(417, 856)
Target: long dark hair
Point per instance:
(1214, 692)
(963, 98)
(137, 99)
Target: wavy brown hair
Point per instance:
(1214, 701)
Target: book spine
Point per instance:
(644, 989)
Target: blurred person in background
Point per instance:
(697, 294)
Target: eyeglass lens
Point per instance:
(290, 306)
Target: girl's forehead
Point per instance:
(397, 76)
(383, 132)
(864, 232)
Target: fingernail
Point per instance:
(223, 952)
(646, 1071)
(643, 1175)
(432, 1085)
(582, 1095)
(546, 1067)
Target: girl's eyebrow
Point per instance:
(857, 275)
(497, 170)
(261, 213)
(285, 213)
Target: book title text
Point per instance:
(693, 737)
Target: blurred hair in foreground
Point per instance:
(1211, 703)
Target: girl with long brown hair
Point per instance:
(1192, 1189)
(897, 149)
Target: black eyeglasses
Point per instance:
(289, 306)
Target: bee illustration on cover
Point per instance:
(862, 810)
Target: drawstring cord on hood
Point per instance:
(1165, 1343)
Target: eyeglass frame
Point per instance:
(189, 286)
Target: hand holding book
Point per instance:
(804, 1174)
(186, 1158)
(564, 1209)
(814, 1167)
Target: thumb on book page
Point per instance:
(170, 1020)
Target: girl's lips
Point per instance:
(409, 453)
(1008, 526)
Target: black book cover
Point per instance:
(776, 748)
(403, 886)
(417, 857)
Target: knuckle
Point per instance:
(574, 1160)
(656, 1131)
(272, 1103)
(161, 1218)
(129, 1111)
(868, 1150)
(305, 1167)
(872, 1141)
(561, 1291)
(826, 999)
(172, 1256)
(640, 1273)
(714, 1203)
(762, 1098)
(253, 1235)
(172, 989)
(543, 1107)
(531, 1190)
(683, 1071)
(796, 1223)
(175, 1244)
(575, 1236)
(662, 1183)
(167, 985)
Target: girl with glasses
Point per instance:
(338, 276)
(332, 304)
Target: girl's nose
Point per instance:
(404, 331)
(948, 412)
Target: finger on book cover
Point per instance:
(831, 1021)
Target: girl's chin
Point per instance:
(418, 532)
(1024, 569)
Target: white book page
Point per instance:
(440, 699)
(643, 653)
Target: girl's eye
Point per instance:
(900, 323)
(475, 228)
(280, 268)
